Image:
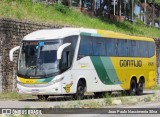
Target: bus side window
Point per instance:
(99, 46)
(151, 49)
(85, 48)
(65, 61)
(143, 46)
(133, 49)
(73, 41)
(122, 48)
(111, 47)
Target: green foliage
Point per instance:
(20, 1)
(108, 99)
(62, 15)
(155, 87)
(61, 8)
(148, 99)
(154, 1)
(139, 21)
(8, 0)
(13, 95)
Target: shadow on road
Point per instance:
(86, 97)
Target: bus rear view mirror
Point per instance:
(12, 51)
(60, 50)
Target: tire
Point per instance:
(140, 87)
(42, 97)
(133, 87)
(80, 91)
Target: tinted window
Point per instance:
(111, 47)
(133, 48)
(73, 41)
(143, 49)
(85, 48)
(98, 46)
(71, 48)
(115, 47)
(151, 47)
(122, 47)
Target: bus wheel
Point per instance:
(42, 97)
(133, 87)
(140, 87)
(80, 91)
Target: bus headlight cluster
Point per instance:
(57, 80)
(19, 82)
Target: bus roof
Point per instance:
(48, 34)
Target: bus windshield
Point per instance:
(38, 58)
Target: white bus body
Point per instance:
(50, 64)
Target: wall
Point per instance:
(158, 59)
(11, 33)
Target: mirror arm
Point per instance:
(12, 51)
(60, 50)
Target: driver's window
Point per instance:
(65, 61)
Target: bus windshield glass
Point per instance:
(38, 58)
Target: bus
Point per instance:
(73, 61)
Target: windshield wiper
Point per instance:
(33, 67)
(30, 68)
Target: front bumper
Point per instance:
(39, 89)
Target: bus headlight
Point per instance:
(57, 80)
(19, 82)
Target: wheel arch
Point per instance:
(142, 78)
(134, 78)
(133, 86)
(83, 80)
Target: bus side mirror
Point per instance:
(12, 51)
(60, 50)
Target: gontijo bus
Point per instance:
(77, 60)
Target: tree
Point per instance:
(155, 5)
(154, 2)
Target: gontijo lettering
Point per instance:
(130, 63)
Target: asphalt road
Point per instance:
(57, 102)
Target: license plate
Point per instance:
(35, 90)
